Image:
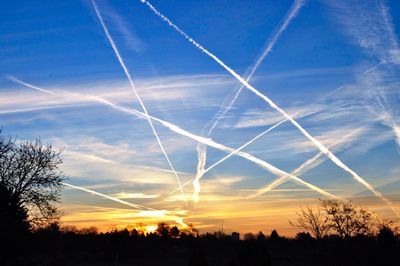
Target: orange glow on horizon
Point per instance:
(151, 228)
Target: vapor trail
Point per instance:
(395, 54)
(306, 166)
(290, 15)
(201, 164)
(243, 146)
(258, 136)
(185, 133)
(276, 125)
(318, 144)
(387, 117)
(387, 20)
(143, 209)
(132, 85)
(136, 206)
(201, 149)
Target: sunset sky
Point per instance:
(332, 65)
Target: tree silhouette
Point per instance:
(347, 220)
(174, 232)
(163, 229)
(337, 216)
(13, 216)
(260, 236)
(30, 182)
(303, 236)
(314, 222)
(274, 236)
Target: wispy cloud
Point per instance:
(260, 118)
(370, 25)
(170, 89)
(130, 195)
(124, 28)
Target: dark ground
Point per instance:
(121, 248)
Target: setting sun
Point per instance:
(151, 228)
(170, 128)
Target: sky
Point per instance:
(143, 97)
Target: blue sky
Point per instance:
(334, 64)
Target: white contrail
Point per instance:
(183, 132)
(201, 149)
(312, 163)
(242, 147)
(395, 54)
(387, 20)
(259, 136)
(387, 117)
(306, 166)
(268, 130)
(132, 85)
(135, 206)
(290, 15)
(318, 144)
(203, 171)
(201, 164)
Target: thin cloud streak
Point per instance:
(132, 85)
(197, 138)
(136, 206)
(201, 149)
(168, 89)
(143, 211)
(370, 25)
(318, 144)
(299, 113)
(305, 167)
(291, 14)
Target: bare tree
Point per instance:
(347, 220)
(30, 176)
(313, 222)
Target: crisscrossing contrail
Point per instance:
(132, 85)
(269, 167)
(143, 209)
(316, 143)
(201, 149)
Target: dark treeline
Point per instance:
(169, 246)
(336, 233)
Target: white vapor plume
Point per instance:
(291, 14)
(136, 206)
(395, 53)
(283, 121)
(306, 166)
(384, 113)
(143, 210)
(318, 144)
(132, 85)
(201, 149)
(185, 133)
(243, 146)
(371, 26)
(201, 164)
